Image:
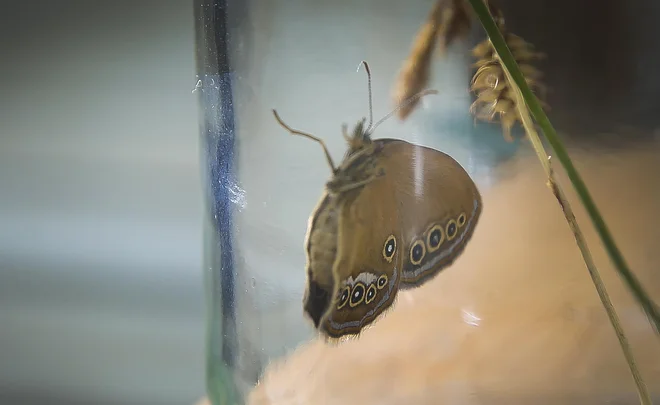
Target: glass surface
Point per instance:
(514, 320)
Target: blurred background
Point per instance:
(101, 294)
(101, 202)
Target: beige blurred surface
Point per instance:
(516, 319)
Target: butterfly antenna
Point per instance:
(310, 136)
(371, 110)
(403, 104)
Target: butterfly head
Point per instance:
(358, 139)
(360, 165)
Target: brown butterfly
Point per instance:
(392, 216)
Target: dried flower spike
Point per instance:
(447, 21)
(495, 100)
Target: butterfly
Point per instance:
(392, 215)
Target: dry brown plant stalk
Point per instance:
(498, 94)
(447, 21)
(525, 118)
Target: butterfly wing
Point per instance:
(321, 248)
(367, 266)
(440, 206)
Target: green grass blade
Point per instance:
(561, 154)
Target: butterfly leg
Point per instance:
(344, 132)
(352, 186)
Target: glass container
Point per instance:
(301, 57)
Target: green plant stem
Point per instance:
(548, 130)
(642, 390)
